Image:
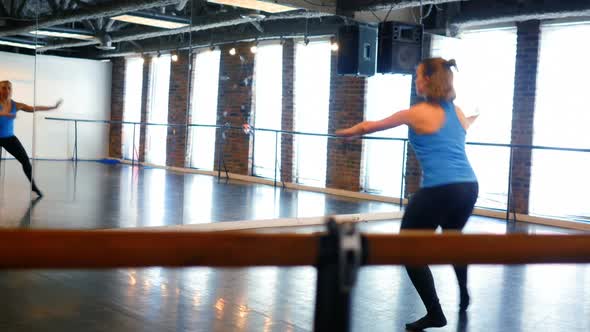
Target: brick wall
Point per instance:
(117, 102)
(235, 92)
(413, 173)
(144, 105)
(525, 84)
(178, 109)
(346, 108)
(287, 116)
(347, 104)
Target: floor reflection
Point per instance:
(96, 195)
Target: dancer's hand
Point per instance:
(348, 134)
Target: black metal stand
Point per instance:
(133, 149)
(220, 157)
(341, 252)
(75, 157)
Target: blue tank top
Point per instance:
(442, 154)
(7, 123)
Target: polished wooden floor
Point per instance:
(95, 195)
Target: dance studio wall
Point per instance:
(85, 87)
(346, 107)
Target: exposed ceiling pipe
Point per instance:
(388, 4)
(325, 29)
(65, 4)
(208, 23)
(109, 26)
(89, 25)
(105, 10)
(180, 6)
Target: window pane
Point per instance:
(312, 96)
(158, 109)
(561, 119)
(204, 109)
(268, 94)
(384, 160)
(132, 105)
(485, 84)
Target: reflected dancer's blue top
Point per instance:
(7, 123)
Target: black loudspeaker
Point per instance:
(400, 47)
(357, 51)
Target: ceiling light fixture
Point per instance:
(155, 20)
(17, 42)
(64, 33)
(265, 6)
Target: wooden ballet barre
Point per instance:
(106, 249)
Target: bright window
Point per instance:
(204, 109)
(384, 160)
(268, 94)
(312, 97)
(559, 180)
(159, 89)
(485, 84)
(132, 106)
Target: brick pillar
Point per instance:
(234, 102)
(144, 105)
(413, 175)
(525, 85)
(117, 103)
(178, 109)
(288, 114)
(347, 105)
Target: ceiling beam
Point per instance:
(207, 23)
(180, 6)
(257, 26)
(377, 5)
(109, 26)
(109, 9)
(475, 15)
(89, 25)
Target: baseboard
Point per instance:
(267, 223)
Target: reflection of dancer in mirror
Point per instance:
(8, 141)
(449, 186)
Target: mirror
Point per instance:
(122, 73)
(17, 98)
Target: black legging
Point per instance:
(448, 206)
(13, 146)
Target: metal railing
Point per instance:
(276, 179)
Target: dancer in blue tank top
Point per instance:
(449, 187)
(8, 141)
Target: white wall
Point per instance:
(84, 86)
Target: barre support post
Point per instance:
(341, 253)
